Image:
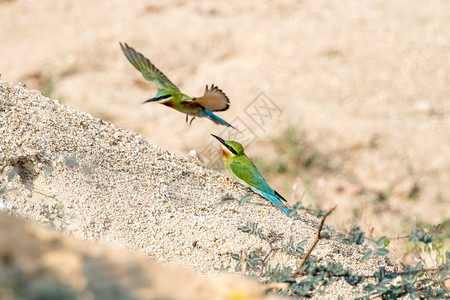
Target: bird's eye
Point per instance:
(230, 148)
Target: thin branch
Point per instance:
(322, 221)
(45, 195)
(264, 261)
(421, 270)
(399, 237)
(399, 273)
(244, 261)
(276, 285)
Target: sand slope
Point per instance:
(367, 82)
(84, 176)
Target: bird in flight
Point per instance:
(168, 94)
(246, 172)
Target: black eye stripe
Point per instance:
(231, 149)
(163, 97)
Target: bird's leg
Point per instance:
(191, 120)
(187, 117)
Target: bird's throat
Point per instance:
(168, 103)
(226, 153)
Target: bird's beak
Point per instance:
(156, 99)
(149, 100)
(219, 139)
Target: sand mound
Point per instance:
(84, 176)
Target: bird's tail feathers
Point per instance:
(216, 119)
(279, 196)
(275, 199)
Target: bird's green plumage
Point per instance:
(247, 173)
(244, 169)
(212, 100)
(148, 70)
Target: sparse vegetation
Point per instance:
(52, 212)
(313, 275)
(45, 286)
(295, 157)
(294, 154)
(70, 161)
(48, 170)
(48, 86)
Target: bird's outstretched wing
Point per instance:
(148, 70)
(214, 99)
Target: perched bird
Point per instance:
(246, 172)
(168, 94)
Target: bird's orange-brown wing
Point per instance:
(214, 99)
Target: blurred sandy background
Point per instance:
(362, 88)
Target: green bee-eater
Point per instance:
(246, 172)
(168, 94)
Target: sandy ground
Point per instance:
(84, 176)
(39, 263)
(367, 83)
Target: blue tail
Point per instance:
(275, 199)
(216, 119)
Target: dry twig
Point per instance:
(244, 261)
(322, 221)
(276, 285)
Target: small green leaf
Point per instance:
(413, 295)
(277, 268)
(316, 280)
(299, 205)
(299, 248)
(244, 229)
(381, 289)
(319, 213)
(249, 264)
(235, 256)
(238, 267)
(244, 199)
(303, 268)
(382, 251)
(70, 161)
(291, 212)
(381, 241)
(254, 227)
(367, 255)
(227, 198)
(427, 238)
(324, 235)
(397, 290)
(260, 234)
(443, 277)
(13, 173)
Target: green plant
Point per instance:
(56, 210)
(70, 161)
(294, 154)
(431, 243)
(48, 170)
(313, 275)
(48, 87)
